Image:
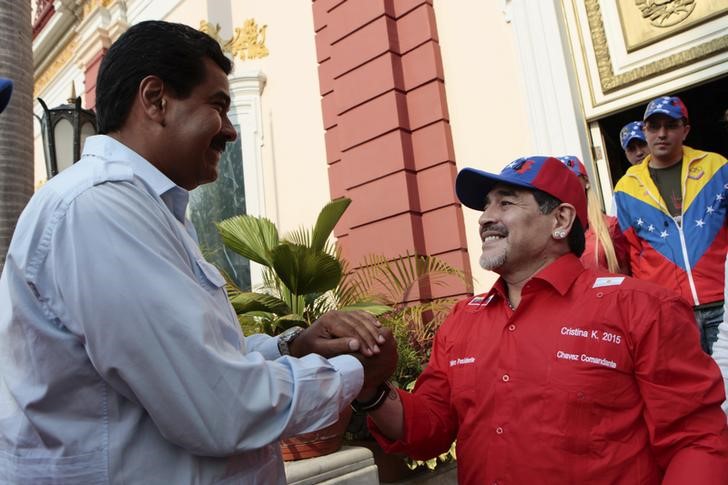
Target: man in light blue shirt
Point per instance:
(121, 360)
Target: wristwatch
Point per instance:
(375, 402)
(285, 339)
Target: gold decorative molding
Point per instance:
(665, 13)
(60, 61)
(91, 5)
(247, 43)
(645, 22)
(610, 81)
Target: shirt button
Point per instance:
(499, 430)
(506, 378)
(511, 327)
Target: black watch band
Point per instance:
(373, 403)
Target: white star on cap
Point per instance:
(651, 228)
(710, 210)
(719, 197)
(640, 222)
(664, 234)
(699, 222)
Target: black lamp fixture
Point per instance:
(64, 129)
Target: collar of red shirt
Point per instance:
(560, 275)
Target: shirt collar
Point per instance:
(108, 148)
(560, 275)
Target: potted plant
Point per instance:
(414, 322)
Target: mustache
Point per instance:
(219, 144)
(494, 227)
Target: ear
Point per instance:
(152, 98)
(687, 130)
(564, 216)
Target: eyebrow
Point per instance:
(502, 193)
(221, 95)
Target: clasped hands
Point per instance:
(352, 332)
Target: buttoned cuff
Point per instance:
(266, 345)
(352, 376)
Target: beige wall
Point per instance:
(485, 96)
(295, 177)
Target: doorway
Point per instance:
(707, 105)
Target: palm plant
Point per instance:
(302, 271)
(413, 320)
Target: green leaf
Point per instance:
(375, 309)
(304, 270)
(249, 236)
(250, 302)
(291, 320)
(327, 219)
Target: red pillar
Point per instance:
(388, 140)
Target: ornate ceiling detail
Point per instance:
(611, 81)
(60, 61)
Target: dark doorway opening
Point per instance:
(707, 105)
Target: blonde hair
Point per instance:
(597, 224)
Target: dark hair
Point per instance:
(575, 239)
(173, 52)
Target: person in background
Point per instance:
(121, 358)
(633, 141)
(558, 374)
(606, 247)
(672, 209)
(6, 90)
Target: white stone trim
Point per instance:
(555, 114)
(246, 88)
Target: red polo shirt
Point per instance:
(594, 378)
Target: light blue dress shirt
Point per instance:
(121, 360)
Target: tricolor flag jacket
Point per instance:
(686, 252)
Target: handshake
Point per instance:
(352, 332)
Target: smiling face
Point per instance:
(197, 129)
(665, 137)
(516, 235)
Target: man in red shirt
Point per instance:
(558, 374)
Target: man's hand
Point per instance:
(336, 333)
(379, 367)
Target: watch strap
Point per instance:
(375, 402)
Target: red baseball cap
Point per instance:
(548, 174)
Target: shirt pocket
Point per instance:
(209, 276)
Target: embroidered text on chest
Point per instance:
(462, 361)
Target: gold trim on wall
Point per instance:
(60, 61)
(610, 82)
(247, 43)
(645, 22)
(91, 5)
